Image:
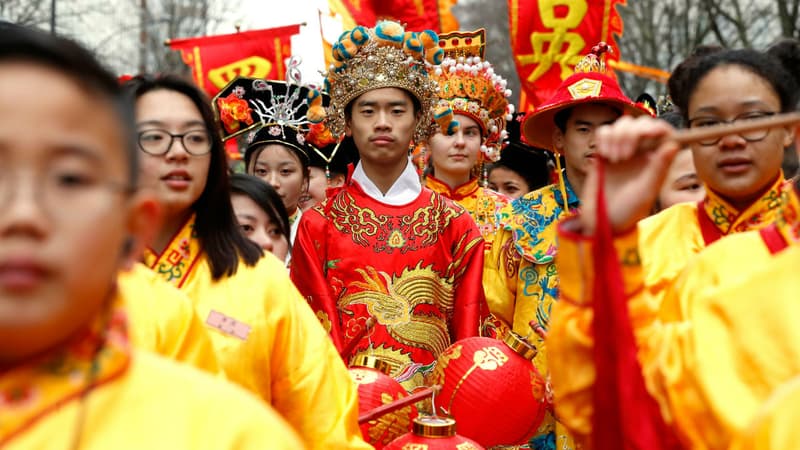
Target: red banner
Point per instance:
(216, 60)
(550, 36)
(416, 14)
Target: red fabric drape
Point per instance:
(625, 415)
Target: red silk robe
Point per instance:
(415, 268)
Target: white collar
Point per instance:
(404, 190)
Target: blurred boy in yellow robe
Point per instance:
(68, 376)
(775, 426)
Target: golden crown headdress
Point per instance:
(385, 56)
(468, 85)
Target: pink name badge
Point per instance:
(228, 325)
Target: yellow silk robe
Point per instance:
(775, 426)
(521, 281)
(159, 404)
(163, 321)
(269, 341)
(669, 239)
(483, 204)
(713, 343)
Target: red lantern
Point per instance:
(376, 388)
(492, 389)
(433, 433)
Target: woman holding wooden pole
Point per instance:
(700, 365)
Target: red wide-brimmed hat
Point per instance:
(589, 84)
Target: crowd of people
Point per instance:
(152, 298)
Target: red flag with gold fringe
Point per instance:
(549, 37)
(416, 14)
(216, 60)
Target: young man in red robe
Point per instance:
(384, 247)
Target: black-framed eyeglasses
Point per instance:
(749, 136)
(158, 142)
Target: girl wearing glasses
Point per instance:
(705, 357)
(266, 337)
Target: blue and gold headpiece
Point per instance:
(380, 57)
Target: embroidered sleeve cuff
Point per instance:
(575, 268)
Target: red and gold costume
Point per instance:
(407, 258)
(415, 268)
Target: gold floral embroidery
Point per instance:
(325, 321)
(451, 354)
(396, 239)
(761, 213)
(418, 230)
(175, 263)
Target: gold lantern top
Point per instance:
(371, 362)
(520, 345)
(434, 427)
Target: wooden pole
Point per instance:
(690, 136)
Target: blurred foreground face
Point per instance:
(63, 207)
(681, 183)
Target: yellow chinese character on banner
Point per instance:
(556, 39)
(253, 66)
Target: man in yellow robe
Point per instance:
(68, 377)
(520, 277)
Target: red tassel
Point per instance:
(625, 415)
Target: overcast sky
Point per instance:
(111, 27)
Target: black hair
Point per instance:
(561, 118)
(528, 162)
(215, 223)
(266, 197)
(779, 66)
(19, 43)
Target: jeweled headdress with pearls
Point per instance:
(385, 56)
(469, 86)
